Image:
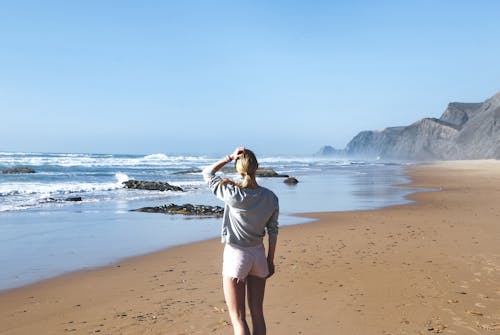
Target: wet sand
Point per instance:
(432, 266)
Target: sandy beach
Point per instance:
(432, 266)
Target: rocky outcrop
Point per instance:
(268, 173)
(18, 170)
(261, 172)
(459, 113)
(188, 171)
(425, 139)
(371, 142)
(479, 138)
(464, 131)
(151, 185)
(186, 209)
(69, 199)
(328, 150)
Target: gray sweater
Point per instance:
(248, 213)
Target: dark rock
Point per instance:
(70, 199)
(188, 171)
(261, 172)
(186, 209)
(48, 200)
(151, 185)
(291, 181)
(268, 172)
(19, 169)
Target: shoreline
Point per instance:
(92, 240)
(430, 271)
(41, 243)
(299, 218)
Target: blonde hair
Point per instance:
(246, 165)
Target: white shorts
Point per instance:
(239, 262)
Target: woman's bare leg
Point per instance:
(234, 292)
(256, 287)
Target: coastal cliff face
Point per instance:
(464, 131)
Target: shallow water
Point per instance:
(41, 239)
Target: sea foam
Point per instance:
(156, 157)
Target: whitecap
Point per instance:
(156, 157)
(121, 178)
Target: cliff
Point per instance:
(464, 131)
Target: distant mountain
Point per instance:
(328, 150)
(464, 131)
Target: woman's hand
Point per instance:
(238, 152)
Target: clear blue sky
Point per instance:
(204, 76)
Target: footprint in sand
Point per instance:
(493, 326)
(475, 313)
(436, 326)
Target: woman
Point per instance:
(250, 210)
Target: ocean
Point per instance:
(42, 235)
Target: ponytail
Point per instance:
(247, 181)
(246, 166)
